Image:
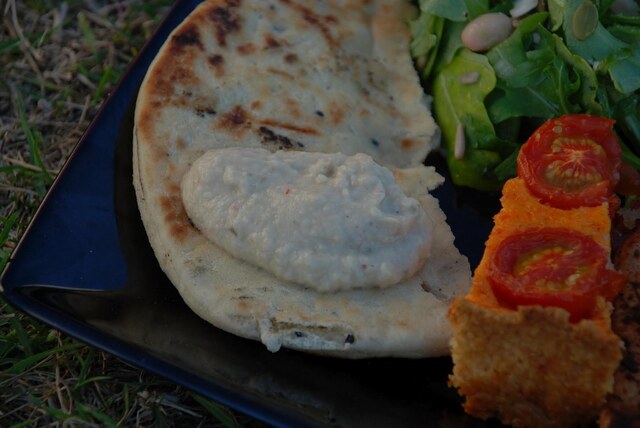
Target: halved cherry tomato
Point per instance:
(553, 267)
(571, 161)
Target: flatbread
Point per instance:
(322, 76)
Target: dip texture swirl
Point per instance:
(323, 220)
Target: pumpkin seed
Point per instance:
(585, 20)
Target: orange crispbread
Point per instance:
(521, 211)
(532, 367)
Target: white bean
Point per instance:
(469, 78)
(486, 31)
(522, 7)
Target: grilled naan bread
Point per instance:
(321, 76)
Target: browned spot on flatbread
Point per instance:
(168, 69)
(226, 20)
(246, 49)
(174, 213)
(294, 108)
(408, 143)
(162, 87)
(233, 119)
(204, 111)
(184, 75)
(331, 19)
(280, 142)
(290, 58)
(174, 188)
(217, 62)
(180, 143)
(317, 21)
(186, 37)
(270, 42)
(335, 113)
(403, 324)
(280, 72)
(144, 124)
(290, 126)
(256, 105)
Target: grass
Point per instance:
(58, 62)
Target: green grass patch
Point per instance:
(7, 45)
(218, 411)
(7, 226)
(89, 37)
(34, 138)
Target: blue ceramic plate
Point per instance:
(85, 267)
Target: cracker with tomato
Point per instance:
(532, 341)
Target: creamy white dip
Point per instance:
(324, 220)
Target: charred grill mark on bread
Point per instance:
(281, 142)
(226, 20)
(290, 58)
(187, 37)
(290, 127)
(205, 111)
(246, 49)
(217, 62)
(317, 21)
(282, 73)
(270, 42)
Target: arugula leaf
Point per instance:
(626, 112)
(623, 66)
(629, 157)
(506, 56)
(542, 70)
(537, 82)
(427, 32)
(556, 11)
(455, 10)
(507, 168)
(458, 102)
(588, 92)
(620, 59)
(626, 33)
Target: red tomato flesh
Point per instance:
(571, 161)
(553, 267)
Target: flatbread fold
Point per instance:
(322, 76)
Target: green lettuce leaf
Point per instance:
(458, 99)
(426, 33)
(455, 10)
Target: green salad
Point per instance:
(559, 57)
